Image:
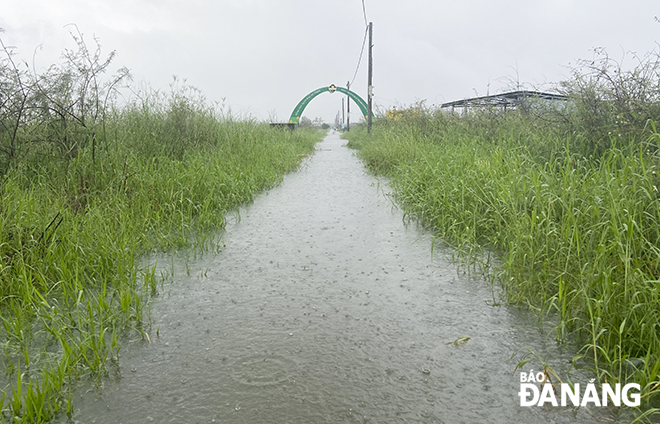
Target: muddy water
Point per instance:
(324, 307)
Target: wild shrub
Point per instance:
(567, 197)
(88, 187)
(53, 114)
(610, 104)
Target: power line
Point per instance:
(364, 13)
(364, 40)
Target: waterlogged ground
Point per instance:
(324, 307)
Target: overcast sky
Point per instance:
(263, 56)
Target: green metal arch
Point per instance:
(297, 112)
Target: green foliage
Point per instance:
(160, 174)
(71, 238)
(610, 104)
(53, 114)
(577, 237)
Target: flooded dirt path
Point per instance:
(324, 307)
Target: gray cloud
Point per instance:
(263, 56)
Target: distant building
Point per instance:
(514, 100)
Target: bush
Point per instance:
(566, 197)
(610, 105)
(58, 112)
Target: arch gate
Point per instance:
(297, 112)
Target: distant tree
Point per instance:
(325, 126)
(318, 122)
(305, 122)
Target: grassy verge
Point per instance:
(72, 231)
(578, 236)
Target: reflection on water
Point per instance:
(322, 308)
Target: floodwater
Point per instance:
(325, 307)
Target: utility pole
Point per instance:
(348, 107)
(370, 82)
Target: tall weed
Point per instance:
(578, 237)
(87, 189)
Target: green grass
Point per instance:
(73, 232)
(578, 236)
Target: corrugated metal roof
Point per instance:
(512, 98)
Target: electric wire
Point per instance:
(364, 13)
(364, 41)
